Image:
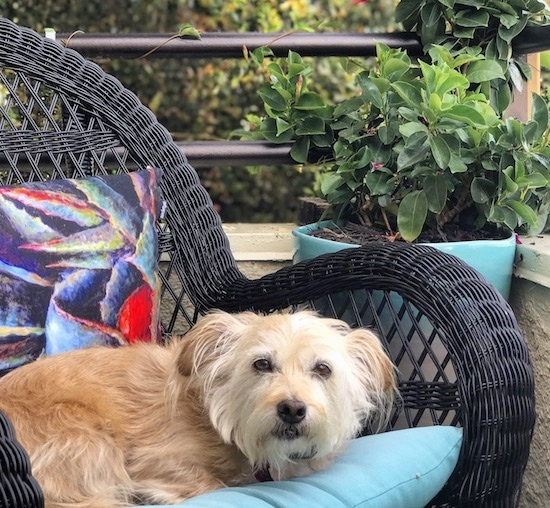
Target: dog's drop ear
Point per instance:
(211, 337)
(365, 347)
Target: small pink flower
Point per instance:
(377, 165)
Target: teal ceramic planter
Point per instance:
(492, 258)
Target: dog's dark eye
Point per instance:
(263, 365)
(322, 370)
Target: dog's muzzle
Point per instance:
(287, 432)
(291, 412)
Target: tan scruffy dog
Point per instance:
(107, 428)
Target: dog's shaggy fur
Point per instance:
(106, 428)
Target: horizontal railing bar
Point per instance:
(230, 44)
(204, 154)
(236, 153)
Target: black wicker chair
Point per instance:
(461, 356)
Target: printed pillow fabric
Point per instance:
(78, 264)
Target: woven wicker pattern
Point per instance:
(18, 489)
(461, 357)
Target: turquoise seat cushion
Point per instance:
(398, 469)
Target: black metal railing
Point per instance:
(230, 45)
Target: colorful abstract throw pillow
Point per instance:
(78, 264)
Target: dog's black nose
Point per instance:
(291, 411)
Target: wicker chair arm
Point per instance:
(494, 382)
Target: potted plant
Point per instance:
(423, 152)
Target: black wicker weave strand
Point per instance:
(18, 488)
(492, 396)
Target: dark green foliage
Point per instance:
(206, 99)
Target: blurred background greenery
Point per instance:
(207, 99)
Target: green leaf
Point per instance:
(276, 71)
(502, 98)
(324, 140)
(407, 11)
(452, 82)
(508, 33)
(471, 18)
(524, 68)
(504, 49)
(482, 190)
(409, 128)
(435, 187)
(466, 114)
(539, 114)
(537, 180)
(294, 58)
(411, 215)
(260, 53)
(386, 134)
(505, 7)
(269, 131)
(511, 186)
(379, 183)
(393, 69)
(282, 126)
(409, 93)
(484, 70)
(527, 214)
(310, 126)
(348, 106)
(415, 150)
(384, 84)
(371, 94)
(300, 150)
(440, 151)
(508, 20)
(297, 69)
(464, 33)
(430, 14)
(457, 165)
(330, 182)
(189, 31)
(273, 98)
(472, 3)
(309, 101)
(503, 215)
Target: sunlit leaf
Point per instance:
(484, 70)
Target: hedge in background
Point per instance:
(206, 99)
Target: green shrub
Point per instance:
(206, 99)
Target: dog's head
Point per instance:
(286, 387)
